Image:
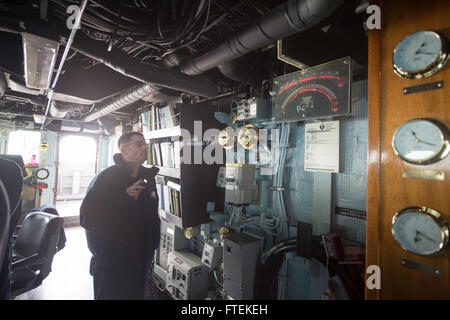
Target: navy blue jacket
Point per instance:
(117, 226)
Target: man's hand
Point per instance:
(134, 190)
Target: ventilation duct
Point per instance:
(147, 73)
(132, 95)
(60, 111)
(240, 70)
(289, 18)
(3, 85)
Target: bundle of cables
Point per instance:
(143, 28)
(266, 278)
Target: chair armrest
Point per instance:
(30, 261)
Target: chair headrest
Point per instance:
(17, 158)
(48, 208)
(39, 233)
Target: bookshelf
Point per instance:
(169, 172)
(183, 188)
(164, 133)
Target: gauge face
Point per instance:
(248, 136)
(318, 92)
(226, 138)
(420, 230)
(421, 141)
(42, 174)
(420, 55)
(189, 232)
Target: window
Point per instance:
(24, 143)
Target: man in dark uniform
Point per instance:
(120, 215)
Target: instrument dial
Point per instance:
(317, 92)
(227, 138)
(42, 174)
(420, 54)
(421, 141)
(248, 136)
(421, 230)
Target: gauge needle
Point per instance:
(421, 141)
(418, 233)
(418, 50)
(421, 52)
(431, 144)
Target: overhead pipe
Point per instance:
(3, 85)
(60, 111)
(289, 18)
(147, 73)
(242, 71)
(132, 95)
(119, 61)
(63, 59)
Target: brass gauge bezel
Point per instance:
(444, 148)
(248, 137)
(189, 232)
(436, 217)
(227, 138)
(232, 117)
(431, 69)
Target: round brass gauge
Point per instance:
(421, 141)
(227, 138)
(421, 230)
(232, 116)
(420, 54)
(248, 136)
(189, 232)
(224, 231)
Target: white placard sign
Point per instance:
(322, 146)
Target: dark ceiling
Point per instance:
(161, 34)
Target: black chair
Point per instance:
(50, 208)
(11, 172)
(4, 221)
(34, 248)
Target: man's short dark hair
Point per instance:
(126, 138)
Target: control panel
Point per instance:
(212, 255)
(240, 184)
(172, 238)
(254, 108)
(187, 276)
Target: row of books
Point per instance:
(160, 117)
(165, 154)
(170, 198)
